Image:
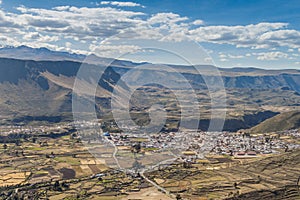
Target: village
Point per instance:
(238, 145)
(71, 156)
(184, 143)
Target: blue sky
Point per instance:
(254, 33)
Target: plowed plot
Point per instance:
(223, 160)
(94, 169)
(51, 171)
(67, 173)
(12, 179)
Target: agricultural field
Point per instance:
(64, 167)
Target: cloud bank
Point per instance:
(84, 28)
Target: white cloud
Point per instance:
(68, 44)
(109, 50)
(223, 59)
(62, 8)
(256, 36)
(274, 55)
(120, 4)
(208, 59)
(221, 55)
(166, 18)
(8, 41)
(90, 26)
(198, 22)
(32, 36)
(82, 23)
(235, 56)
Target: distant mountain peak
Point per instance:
(23, 47)
(25, 52)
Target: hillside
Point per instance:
(267, 178)
(283, 121)
(42, 90)
(37, 84)
(238, 77)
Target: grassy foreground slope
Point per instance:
(283, 121)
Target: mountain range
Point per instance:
(36, 85)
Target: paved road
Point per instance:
(115, 152)
(144, 170)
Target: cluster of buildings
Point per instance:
(7, 130)
(156, 142)
(219, 143)
(290, 133)
(238, 144)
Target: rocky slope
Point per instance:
(36, 84)
(42, 90)
(281, 122)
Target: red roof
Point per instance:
(251, 153)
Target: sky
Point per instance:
(233, 33)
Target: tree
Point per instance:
(259, 178)
(187, 164)
(65, 185)
(231, 152)
(235, 185)
(56, 186)
(136, 148)
(136, 165)
(178, 197)
(286, 148)
(73, 135)
(17, 142)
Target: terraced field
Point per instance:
(62, 168)
(275, 177)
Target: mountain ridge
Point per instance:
(29, 53)
(30, 88)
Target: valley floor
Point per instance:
(62, 168)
